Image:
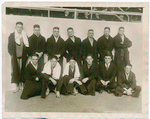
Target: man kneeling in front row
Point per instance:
(127, 83)
(106, 75)
(51, 77)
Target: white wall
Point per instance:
(132, 30)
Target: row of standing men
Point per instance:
(20, 47)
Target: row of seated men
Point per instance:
(21, 48)
(85, 79)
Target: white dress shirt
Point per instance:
(35, 66)
(122, 37)
(127, 75)
(56, 38)
(107, 66)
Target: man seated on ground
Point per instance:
(106, 75)
(72, 78)
(89, 74)
(127, 83)
(51, 80)
(33, 83)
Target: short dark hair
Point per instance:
(54, 57)
(89, 55)
(70, 28)
(36, 26)
(56, 28)
(128, 64)
(90, 30)
(35, 55)
(107, 28)
(108, 53)
(19, 22)
(121, 27)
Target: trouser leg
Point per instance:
(136, 92)
(119, 91)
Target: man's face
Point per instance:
(53, 62)
(90, 34)
(34, 60)
(56, 32)
(67, 12)
(97, 15)
(121, 31)
(127, 69)
(70, 33)
(72, 63)
(86, 14)
(19, 28)
(89, 60)
(106, 32)
(36, 31)
(107, 59)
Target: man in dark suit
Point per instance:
(105, 44)
(127, 83)
(122, 43)
(106, 75)
(89, 46)
(89, 74)
(37, 45)
(33, 83)
(55, 46)
(73, 46)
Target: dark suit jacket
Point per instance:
(119, 47)
(87, 48)
(123, 82)
(104, 45)
(91, 73)
(31, 73)
(107, 75)
(73, 49)
(54, 48)
(36, 44)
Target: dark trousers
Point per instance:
(46, 83)
(90, 87)
(120, 90)
(69, 87)
(99, 86)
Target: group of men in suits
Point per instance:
(97, 67)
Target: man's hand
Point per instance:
(58, 55)
(71, 81)
(37, 79)
(79, 82)
(103, 82)
(53, 81)
(129, 91)
(107, 82)
(85, 80)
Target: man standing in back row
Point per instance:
(37, 45)
(89, 46)
(122, 43)
(105, 44)
(55, 46)
(73, 46)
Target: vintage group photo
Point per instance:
(77, 59)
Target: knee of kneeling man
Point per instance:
(138, 88)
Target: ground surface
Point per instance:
(99, 103)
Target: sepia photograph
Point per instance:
(75, 60)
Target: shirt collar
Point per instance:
(34, 65)
(56, 38)
(107, 65)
